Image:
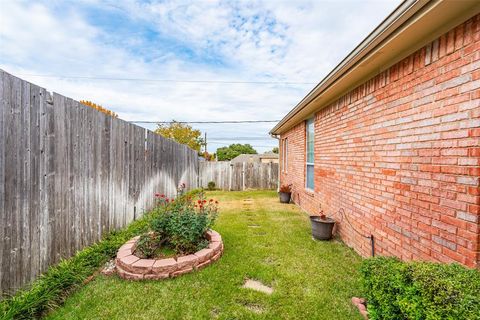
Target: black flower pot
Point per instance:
(285, 197)
(322, 229)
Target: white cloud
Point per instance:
(199, 40)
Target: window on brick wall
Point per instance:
(284, 154)
(310, 133)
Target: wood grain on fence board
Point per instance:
(238, 176)
(69, 174)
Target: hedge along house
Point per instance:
(392, 137)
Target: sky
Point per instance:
(186, 60)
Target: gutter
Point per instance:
(381, 42)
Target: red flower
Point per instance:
(162, 196)
(166, 200)
(157, 195)
(199, 201)
(204, 201)
(201, 206)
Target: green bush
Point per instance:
(211, 185)
(51, 288)
(147, 245)
(420, 290)
(183, 224)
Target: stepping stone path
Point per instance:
(257, 286)
(246, 207)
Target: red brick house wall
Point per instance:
(401, 155)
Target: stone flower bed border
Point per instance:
(131, 267)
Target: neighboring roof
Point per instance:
(268, 155)
(246, 157)
(412, 25)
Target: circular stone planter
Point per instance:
(131, 267)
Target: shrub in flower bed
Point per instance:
(420, 290)
(178, 227)
(52, 287)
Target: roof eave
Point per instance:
(409, 27)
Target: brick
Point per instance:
(215, 246)
(388, 172)
(128, 246)
(467, 216)
(216, 256)
(142, 266)
(156, 276)
(162, 266)
(123, 253)
(401, 154)
(187, 261)
(203, 264)
(128, 275)
(213, 236)
(181, 271)
(126, 262)
(468, 180)
(204, 254)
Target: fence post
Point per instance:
(243, 176)
(230, 169)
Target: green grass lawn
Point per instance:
(311, 279)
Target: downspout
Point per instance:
(276, 136)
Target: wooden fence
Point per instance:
(239, 176)
(69, 174)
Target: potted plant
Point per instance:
(285, 193)
(322, 226)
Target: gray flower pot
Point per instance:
(285, 197)
(322, 229)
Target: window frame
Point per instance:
(310, 124)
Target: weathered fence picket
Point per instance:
(69, 174)
(239, 176)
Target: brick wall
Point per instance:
(401, 155)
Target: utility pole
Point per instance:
(205, 142)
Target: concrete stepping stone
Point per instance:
(257, 286)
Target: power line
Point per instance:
(166, 80)
(227, 144)
(204, 122)
(243, 138)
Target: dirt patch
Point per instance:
(256, 308)
(271, 261)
